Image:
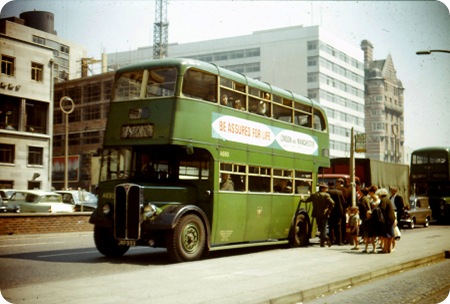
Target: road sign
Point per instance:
(360, 143)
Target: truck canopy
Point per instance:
(374, 172)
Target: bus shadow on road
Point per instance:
(135, 256)
(144, 256)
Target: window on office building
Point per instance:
(36, 118)
(58, 141)
(220, 56)
(378, 126)
(37, 71)
(312, 77)
(64, 48)
(90, 112)
(312, 45)
(35, 156)
(313, 94)
(91, 138)
(312, 61)
(253, 52)
(252, 67)
(9, 113)
(7, 153)
(74, 139)
(39, 40)
(236, 54)
(8, 65)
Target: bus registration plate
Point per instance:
(137, 131)
(127, 243)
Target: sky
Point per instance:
(396, 28)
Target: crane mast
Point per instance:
(160, 30)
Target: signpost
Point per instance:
(360, 143)
(357, 144)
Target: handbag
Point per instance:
(397, 233)
(380, 215)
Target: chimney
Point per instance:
(367, 47)
(104, 63)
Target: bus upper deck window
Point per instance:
(319, 121)
(161, 82)
(198, 84)
(128, 86)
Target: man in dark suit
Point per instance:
(340, 185)
(322, 206)
(398, 202)
(336, 215)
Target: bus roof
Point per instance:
(184, 63)
(432, 149)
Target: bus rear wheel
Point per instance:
(300, 235)
(186, 242)
(106, 243)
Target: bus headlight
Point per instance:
(106, 209)
(149, 210)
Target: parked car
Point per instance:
(419, 213)
(6, 194)
(5, 207)
(39, 201)
(81, 199)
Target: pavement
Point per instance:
(271, 276)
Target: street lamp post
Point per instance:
(67, 106)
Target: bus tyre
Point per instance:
(106, 243)
(300, 235)
(186, 242)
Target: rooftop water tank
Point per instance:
(40, 20)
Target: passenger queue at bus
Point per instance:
(373, 219)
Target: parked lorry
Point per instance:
(370, 172)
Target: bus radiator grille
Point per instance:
(127, 211)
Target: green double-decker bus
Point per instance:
(430, 177)
(199, 158)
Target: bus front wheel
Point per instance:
(106, 243)
(186, 242)
(300, 235)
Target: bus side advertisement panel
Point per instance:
(240, 130)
